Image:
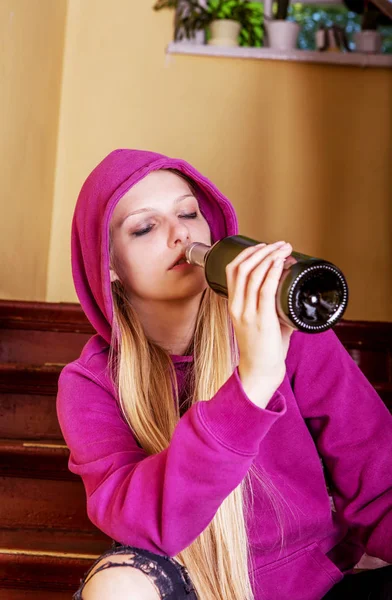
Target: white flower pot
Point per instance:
(369, 41)
(282, 35)
(224, 32)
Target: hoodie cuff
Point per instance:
(235, 421)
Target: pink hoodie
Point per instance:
(324, 413)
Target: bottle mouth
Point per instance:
(318, 298)
(195, 253)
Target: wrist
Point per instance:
(258, 390)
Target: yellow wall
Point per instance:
(303, 151)
(31, 51)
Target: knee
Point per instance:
(119, 583)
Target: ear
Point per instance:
(113, 276)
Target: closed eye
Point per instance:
(142, 231)
(150, 227)
(190, 216)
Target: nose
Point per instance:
(179, 234)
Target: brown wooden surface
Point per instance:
(39, 503)
(47, 572)
(40, 347)
(30, 417)
(44, 316)
(52, 540)
(29, 379)
(43, 505)
(39, 594)
(39, 333)
(43, 460)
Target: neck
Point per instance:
(170, 324)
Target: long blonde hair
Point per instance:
(144, 374)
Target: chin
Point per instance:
(187, 292)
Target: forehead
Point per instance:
(152, 191)
(157, 183)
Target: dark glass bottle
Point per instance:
(312, 294)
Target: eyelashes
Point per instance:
(146, 230)
(142, 231)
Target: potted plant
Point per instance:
(190, 21)
(235, 22)
(368, 39)
(227, 22)
(282, 33)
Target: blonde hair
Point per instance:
(145, 377)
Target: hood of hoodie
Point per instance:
(102, 190)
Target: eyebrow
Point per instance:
(149, 209)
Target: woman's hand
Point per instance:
(252, 280)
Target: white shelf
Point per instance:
(329, 58)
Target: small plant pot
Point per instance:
(368, 41)
(224, 32)
(331, 39)
(282, 35)
(198, 37)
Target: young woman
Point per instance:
(203, 429)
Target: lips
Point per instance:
(180, 259)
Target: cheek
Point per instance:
(140, 269)
(203, 232)
(125, 264)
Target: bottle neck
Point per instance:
(195, 254)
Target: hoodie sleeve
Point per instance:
(352, 429)
(161, 502)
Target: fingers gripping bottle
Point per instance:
(312, 293)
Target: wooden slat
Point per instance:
(385, 392)
(56, 332)
(39, 594)
(29, 416)
(23, 571)
(38, 347)
(40, 503)
(365, 333)
(370, 345)
(29, 379)
(35, 459)
(44, 316)
(52, 316)
(91, 543)
(39, 332)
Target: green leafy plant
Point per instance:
(248, 14)
(191, 17)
